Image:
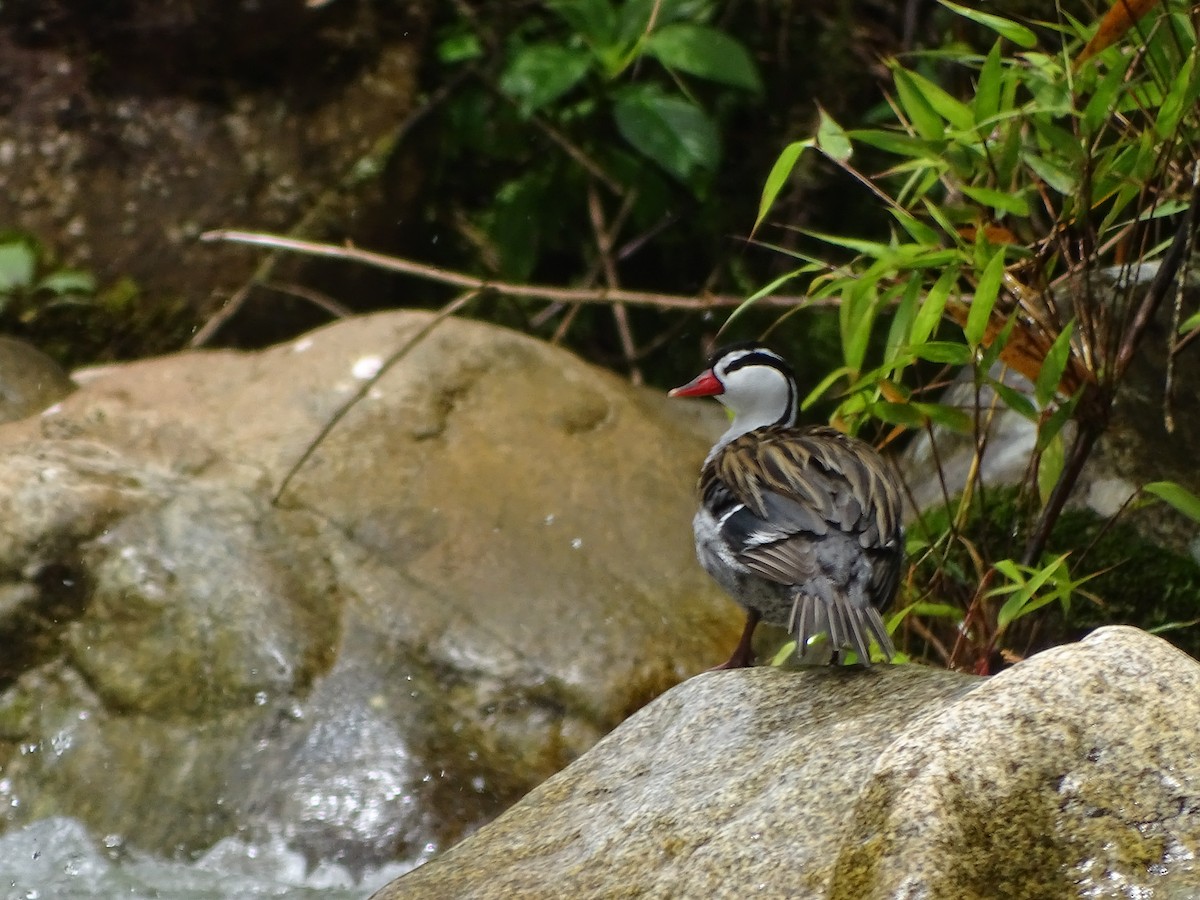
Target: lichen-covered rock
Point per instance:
(484, 568)
(1073, 773)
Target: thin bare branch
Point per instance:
(372, 161)
(471, 283)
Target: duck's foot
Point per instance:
(743, 653)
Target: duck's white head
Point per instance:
(756, 384)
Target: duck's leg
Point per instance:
(743, 653)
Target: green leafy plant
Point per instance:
(1045, 212)
(607, 115)
(29, 285)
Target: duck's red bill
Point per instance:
(703, 385)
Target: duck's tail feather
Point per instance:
(847, 625)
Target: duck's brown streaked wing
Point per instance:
(840, 480)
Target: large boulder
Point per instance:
(484, 567)
(1072, 774)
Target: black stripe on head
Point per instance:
(754, 354)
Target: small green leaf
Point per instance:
(539, 74)
(985, 298)
(857, 317)
(767, 290)
(1181, 98)
(1050, 466)
(937, 610)
(778, 176)
(1053, 366)
(1014, 31)
(1177, 496)
(987, 90)
(824, 385)
(1014, 399)
(832, 139)
(925, 120)
(1062, 180)
(991, 353)
(1102, 103)
(68, 281)
(672, 131)
(460, 47)
(874, 249)
(930, 313)
(896, 142)
(1020, 601)
(917, 230)
(905, 414)
(953, 110)
(951, 417)
(902, 320)
(18, 261)
(947, 352)
(998, 200)
(706, 53)
(1053, 425)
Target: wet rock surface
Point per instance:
(484, 568)
(1072, 774)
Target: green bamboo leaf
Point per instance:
(857, 320)
(1177, 496)
(824, 385)
(950, 108)
(778, 176)
(905, 414)
(987, 90)
(832, 139)
(1053, 425)
(1103, 101)
(1180, 99)
(1050, 466)
(917, 230)
(985, 298)
(769, 289)
(930, 313)
(920, 111)
(1014, 399)
(1059, 178)
(951, 417)
(1000, 201)
(936, 610)
(896, 142)
(991, 353)
(867, 248)
(1020, 35)
(1018, 604)
(906, 311)
(948, 352)
(1053, 366)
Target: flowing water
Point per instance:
(56, 859)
